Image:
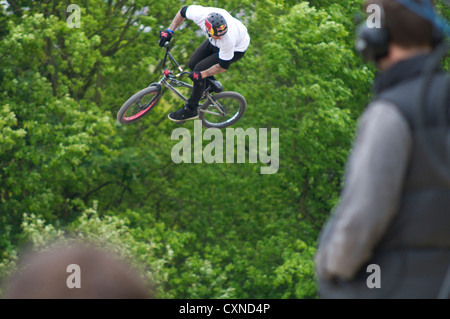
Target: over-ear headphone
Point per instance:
(373, 42)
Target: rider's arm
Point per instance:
(179, 18)
(215, 69)
(220, 67)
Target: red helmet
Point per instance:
(216, 24)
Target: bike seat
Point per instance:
(215, 85)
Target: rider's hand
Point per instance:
(195, 76)
(164, 36)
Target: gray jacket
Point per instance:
(394, 212)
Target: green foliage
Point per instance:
(69, 172)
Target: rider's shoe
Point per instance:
(183, 114)
(215, 85)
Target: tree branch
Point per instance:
(16, 9)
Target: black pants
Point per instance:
(204, 57)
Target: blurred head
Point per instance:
(401, 30)
(216, 25)
(45, 275)
(405, 27)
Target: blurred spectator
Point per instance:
(47, 275)
(394, 213)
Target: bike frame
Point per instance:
(169, 78)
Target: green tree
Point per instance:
(197, 230)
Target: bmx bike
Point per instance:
(217, 110)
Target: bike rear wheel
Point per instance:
(225, 109)
(139, 105)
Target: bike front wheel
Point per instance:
(222, 109)
(139, 105)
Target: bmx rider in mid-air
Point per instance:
(227, 42)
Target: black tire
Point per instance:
(133, 109)
(233, 104)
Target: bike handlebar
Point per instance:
(182, 73)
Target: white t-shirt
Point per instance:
(235, 40)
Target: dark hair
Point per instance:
(405, 28)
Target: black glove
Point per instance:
(164, 36)
(195, 76)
